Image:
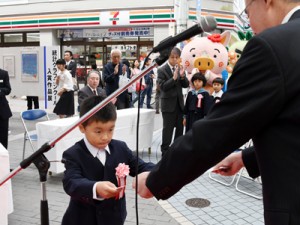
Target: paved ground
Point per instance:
(226, 205)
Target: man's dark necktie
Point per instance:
(94, 91)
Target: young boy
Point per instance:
(218, 84)
(89, 177)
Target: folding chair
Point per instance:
(227, 181)
(241, 174)
(31, 115)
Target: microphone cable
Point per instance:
(137, 142)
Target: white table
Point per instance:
(6, 200)
(125, 130)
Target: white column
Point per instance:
(48, 38)
(181, 9)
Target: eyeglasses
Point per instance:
(245, 11)
(244, 14)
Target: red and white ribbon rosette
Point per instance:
(122, 171)
(199, 96)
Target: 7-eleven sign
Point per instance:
(114, 18)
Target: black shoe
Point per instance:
(149, 107)
(157, 112)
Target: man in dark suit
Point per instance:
(5, 112)
(171, 79)
(262, 102)
(71, 66)
(92, 87)
(111, 75)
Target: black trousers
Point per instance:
(171, 120)
(35, 100)
(4, 132)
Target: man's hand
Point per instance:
(106, 189)
(116, 70)
(175, 74)
(182, 72)
(143, 191)
(124, 68)
(230, 165)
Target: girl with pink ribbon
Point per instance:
(198, 102)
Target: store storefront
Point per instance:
(92, 33)
(93, 46)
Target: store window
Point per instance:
(20, 39)
(13, 37)
(33, 37)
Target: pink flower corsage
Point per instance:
(122, 171)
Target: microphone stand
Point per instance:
(42, 164)
(41, 161)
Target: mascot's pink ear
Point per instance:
(225, 38)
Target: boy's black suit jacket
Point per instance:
(82, 171)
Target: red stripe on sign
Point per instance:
(25, 26)
(5, 27)
(152, 21)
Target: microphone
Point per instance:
(207, 24)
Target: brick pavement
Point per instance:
(227, 206)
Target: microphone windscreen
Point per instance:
(208, 23)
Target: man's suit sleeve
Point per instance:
(250, 162)
(108, 74)
(72, 68)
(184, 82)
(142, 165)
(5, 87)
(254, 84)
(81, 96)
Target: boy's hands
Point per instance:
(106, 189)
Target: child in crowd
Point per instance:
(218, 84)
(91, 163)
(198, 102)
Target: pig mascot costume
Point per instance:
(207, 55)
